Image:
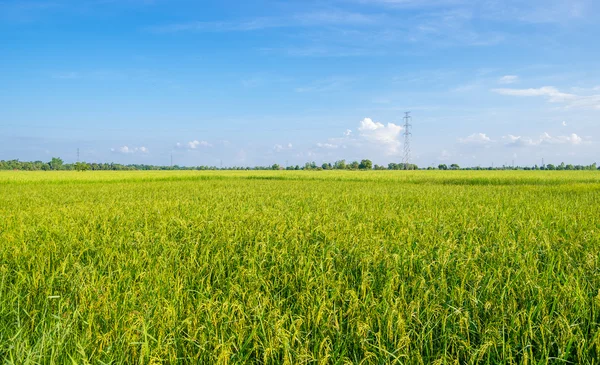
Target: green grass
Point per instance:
(300, 267)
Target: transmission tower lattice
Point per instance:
(407, 134)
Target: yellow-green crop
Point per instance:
(300, 267)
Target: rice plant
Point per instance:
(328, 267)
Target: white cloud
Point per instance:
(195, 144)
(508, 79)
(280, 147)
(572, 139)
(553, 95)
(130, 150)
(518, 141)
(476, 138)
(385, 136)
(329, 146)
(564, 123)
(373, 138)
(544, 139)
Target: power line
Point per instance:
(407, 134)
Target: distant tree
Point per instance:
(310, 166)
(365, 165)
(405, 166)
(339, 165)
(81, 166)
(56, 163)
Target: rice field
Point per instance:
(299, 267)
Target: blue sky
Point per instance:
(262, 82)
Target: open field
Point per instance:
(300, 267)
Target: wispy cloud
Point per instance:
(553, 95)
(329, 146)
(32, 10)
(281, 147)
(220, 26)
(311, 19)
(544, 139)
(508, 79)
(338, 32)
(192, 145)
(324, 51)
(326, 85)
(532, 11)
(337, 17)
(412, 3)
(70, 75)
(26, 10)
(476, 139)
(130, 150)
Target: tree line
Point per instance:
(58, 164)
